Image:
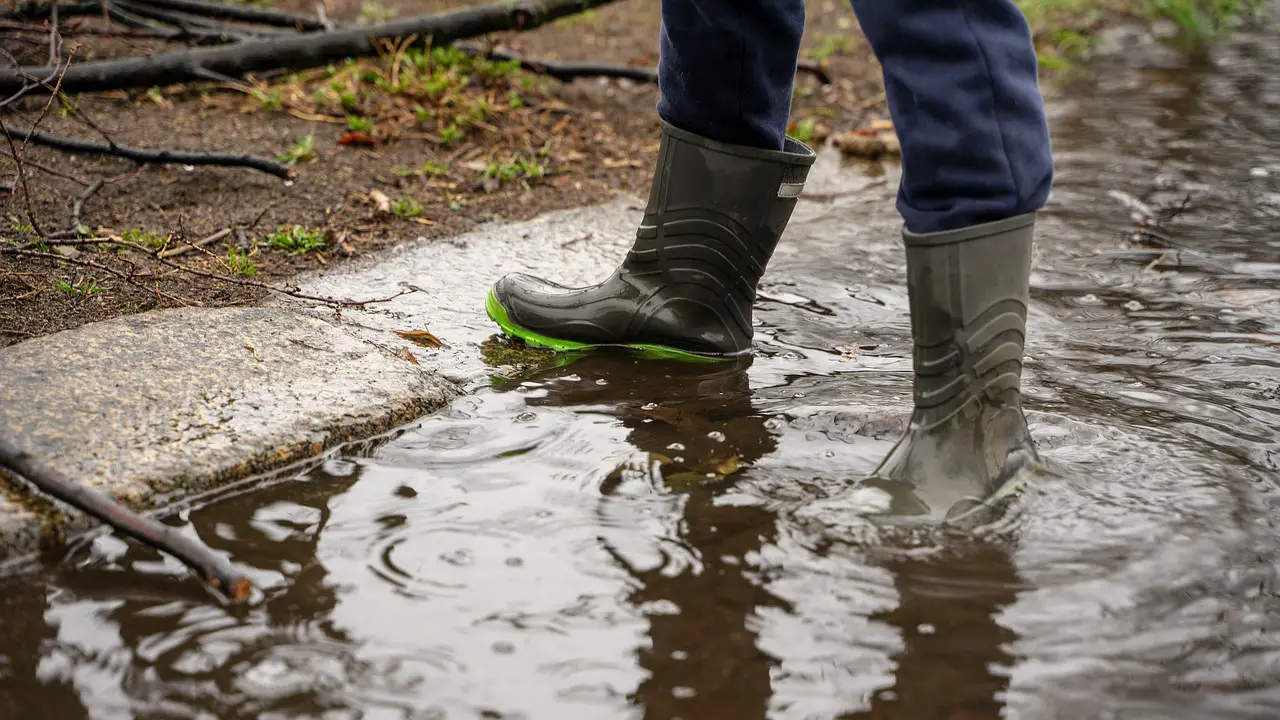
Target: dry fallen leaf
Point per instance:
(423, 221)
(380, 201)
(357, 138)
(421, 338)
(404, 354)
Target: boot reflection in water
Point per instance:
(695, 429)
(961, 81)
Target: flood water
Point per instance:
(615, 538)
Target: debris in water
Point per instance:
(421, 338)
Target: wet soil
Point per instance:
(615, 538)
(596, 138)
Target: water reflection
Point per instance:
(695, 431)
(614, 539)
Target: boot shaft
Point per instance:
(969, 291)
(714, 217)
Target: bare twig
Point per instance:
(56, 173)
(298, 52)
(159, 157)
(55, 42)
(197, 245)
(83, 198)
(213, 569)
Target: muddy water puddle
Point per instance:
(614, 538)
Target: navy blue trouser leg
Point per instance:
(961, 79)
(726, 68)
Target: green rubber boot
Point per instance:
(686, 289)
(968, 443)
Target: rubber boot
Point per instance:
(687, 286)
(968, 439)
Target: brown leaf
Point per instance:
(404, 354)
(380, 201)
(357, 138)
(421, 338)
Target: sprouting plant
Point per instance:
(519, 167)
(269, 100)
(356, 123)
(302, 150)
(81, 286)
(406, 208)
(374, 12)
(296, 239)
(450, 135)
(830, 45)
(138, 236)
(239, 262)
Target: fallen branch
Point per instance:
(277, 18)
(194, 28)
(145, 156)
(215, 570)
(300, 52)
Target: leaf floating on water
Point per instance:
(729, 466)
(421, 338)
(404, 354)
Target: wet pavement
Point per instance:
(616, 538)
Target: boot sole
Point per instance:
(499, 315)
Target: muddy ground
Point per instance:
(493, 145)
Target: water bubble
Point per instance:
(503, 647)
(514, 562)
(679, 655)
(1133, 306)
(926, 629)
(460, 557)
(649, 406)
(1259, 172)
(683, 692)
(602, 381)
(526, 417)
(716, 435)
(675, 446)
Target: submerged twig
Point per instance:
(220, 574)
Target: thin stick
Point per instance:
(159, 157)
(197, 245)
(83, 198)
(213, 569)
(55, 42)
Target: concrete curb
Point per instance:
(156, 407)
